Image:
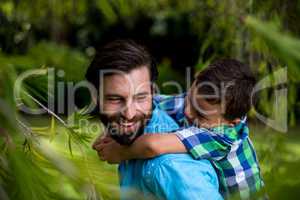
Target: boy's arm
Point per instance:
(145, 146)
(198, 142)
(151, 145)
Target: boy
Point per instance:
(216, 106)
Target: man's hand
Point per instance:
(109, 150)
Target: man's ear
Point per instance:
(154, 89)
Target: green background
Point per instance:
(42, 158)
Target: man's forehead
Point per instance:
(136, 81)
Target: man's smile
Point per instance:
(128, 127)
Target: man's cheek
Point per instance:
(144, 107)
(110, 108)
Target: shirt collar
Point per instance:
(238, 131)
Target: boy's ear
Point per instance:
(234, 122)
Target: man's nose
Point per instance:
(130, 111)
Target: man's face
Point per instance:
(126, 103)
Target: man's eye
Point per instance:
(141, 98)
(114, 100)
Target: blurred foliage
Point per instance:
(179, 34)
(72, 62)
(46, 158)
(279, 160)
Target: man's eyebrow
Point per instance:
(119, 96)
(142, 94)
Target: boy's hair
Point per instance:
(120, 55)
(233, 81)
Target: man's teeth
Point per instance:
(127, 123)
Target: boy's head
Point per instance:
(221, 92)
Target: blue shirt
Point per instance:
(170, 176)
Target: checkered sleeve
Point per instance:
(202, 143)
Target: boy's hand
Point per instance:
(98, 141)
(109, 150)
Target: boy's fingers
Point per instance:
(100, 138)
(97, 141)
(100, 146)
(101, 156)
(94, 145)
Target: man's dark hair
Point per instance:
(120, 55)
(234, 80)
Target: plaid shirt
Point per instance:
(228, 148)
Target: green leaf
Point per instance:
(52, 128)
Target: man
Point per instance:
(212, 132)
(124, 72)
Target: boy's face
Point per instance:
(200, 112)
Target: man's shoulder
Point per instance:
(177, 176)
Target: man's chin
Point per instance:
(123, 140)
(127, 139)
(125, 133)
